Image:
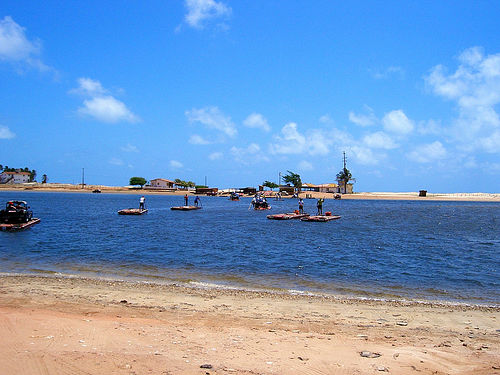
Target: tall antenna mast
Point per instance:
(344, 161)
(83, 178)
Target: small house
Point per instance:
(14, 177)
(162, 183)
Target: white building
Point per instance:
(162, 183)
(14, 177)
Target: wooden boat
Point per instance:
(19, 226)
(185, 208)
(287, 216)
(132, 211)
(320, 218)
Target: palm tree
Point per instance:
(343, 177)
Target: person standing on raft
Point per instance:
(301, 206)
(186, 200)
(142, 201)
(319, 205)
(196, 201)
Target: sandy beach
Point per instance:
(57, 325)
(68, 188)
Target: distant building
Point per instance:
(327, 188)
(14, 177)
(207, 191)
(162, 183)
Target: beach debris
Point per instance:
(123, 301)
(445, 343)
(206, 365)
(303, 359)
(382, 368)
(362, 337)
(402, 323)
(367, 354)
(395, 355)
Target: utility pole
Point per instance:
(83, 178)
(344, 161)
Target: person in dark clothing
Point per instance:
(319, 205)
(185, 200)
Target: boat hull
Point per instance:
(320, 219)
(132, 211)
(185, 208)
(288, 216)
(19, 226)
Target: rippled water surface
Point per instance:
(387, 249)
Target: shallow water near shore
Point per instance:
(378, 249)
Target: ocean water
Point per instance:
(447, 251)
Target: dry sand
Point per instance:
(81, 326)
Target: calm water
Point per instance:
(382, 249)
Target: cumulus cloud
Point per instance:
(107, 109)
(325, 119)
(15, 47)
(475, 89)
(291, 141)
(428, 153)
(212, 118)
(364, 155)
(175, 164)
(256, 120)
(6, 133)
(100, 105)
(199, 12)
(389, 72)
(130, 148)
(363, 119)
(397, 122)
(305, 166)
(196, 139)
(379, 140)
(215, 156)
(248, 155)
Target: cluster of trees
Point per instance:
(26, 169)
(183, 183)
(142, 181)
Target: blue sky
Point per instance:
(239, 91)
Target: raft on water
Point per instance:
(19, 226)
(287, 216)
(262, 208)
(132, 211)
(185, 208)
(320, 218)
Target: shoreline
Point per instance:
(238, 289)
(68, 325)
(413, 196)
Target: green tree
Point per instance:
(32, 175)
(270, 185)
(44, 179)
(294, 179)
(343, 177)
(137, 181)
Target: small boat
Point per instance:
(234, 197)
(132, 211)
(96, 191)
(287, 216)
(320, 218)
(19, 226)
(185, 208)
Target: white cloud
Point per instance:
(325, 119)
(107, 109)
(6, 133)
(363, 120)
(430, 127)
(130, 148)
(176, 164)
(256, 120)
(475, 88)
(379, 140)
(116, 161)
(305, 166)
(291, 141)
(248, 155)
(212, 118)
(101, 106)
(428, 153)
(200, 11)
(397, 122)
(365, 155)
(15, 46)
(215, 156)
(196, 139)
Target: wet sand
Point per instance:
(61, 325)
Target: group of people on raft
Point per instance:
(319, 206)
(259, 202)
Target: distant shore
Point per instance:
(69, 188)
